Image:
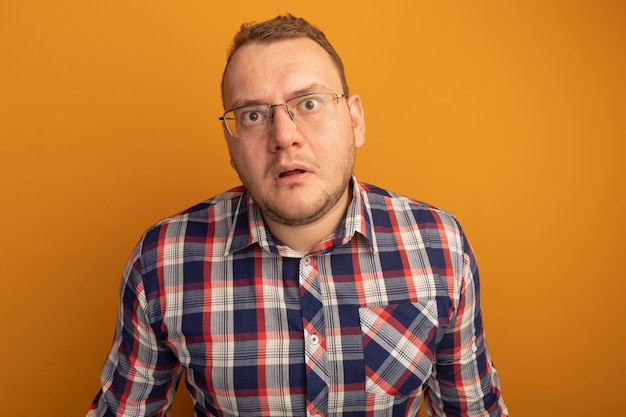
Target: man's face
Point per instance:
(295, 174)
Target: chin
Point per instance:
(292, 216)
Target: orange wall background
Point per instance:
(509, 114)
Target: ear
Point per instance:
(358, 119)
(228, 138)
(225, 131)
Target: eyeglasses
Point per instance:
(306, 110)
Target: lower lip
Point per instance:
(292, 179)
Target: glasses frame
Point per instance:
(224, 119)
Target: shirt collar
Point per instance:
(358, 217)
(248, 226)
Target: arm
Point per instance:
(141, 373)
(465, 382)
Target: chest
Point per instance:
(288, 332)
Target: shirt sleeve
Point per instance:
(465, 381)
(141, 372)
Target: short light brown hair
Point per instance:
(279, 28)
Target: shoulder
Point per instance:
(415, 226)
(386, 205)
(213, 216)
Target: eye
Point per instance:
(251, 116)
(310, 105)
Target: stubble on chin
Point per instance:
(287, 212)
(289, 215)
(302, 213)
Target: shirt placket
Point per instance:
(315, 357)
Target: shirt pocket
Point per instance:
(398, 346)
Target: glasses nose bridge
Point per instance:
(286, 106)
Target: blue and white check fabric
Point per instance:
(381, 312)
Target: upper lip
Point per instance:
(284, 168)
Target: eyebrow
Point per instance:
(311, 88)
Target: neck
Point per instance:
(303, 238)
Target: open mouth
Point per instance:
(290, 173)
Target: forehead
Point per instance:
(271, 72)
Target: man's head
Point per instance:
(298, 172)
(284, 27)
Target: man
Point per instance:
(303, 292)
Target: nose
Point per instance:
(283, 129)
(289, 112)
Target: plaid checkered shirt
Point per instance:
(384, 311)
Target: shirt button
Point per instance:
(315, 339)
